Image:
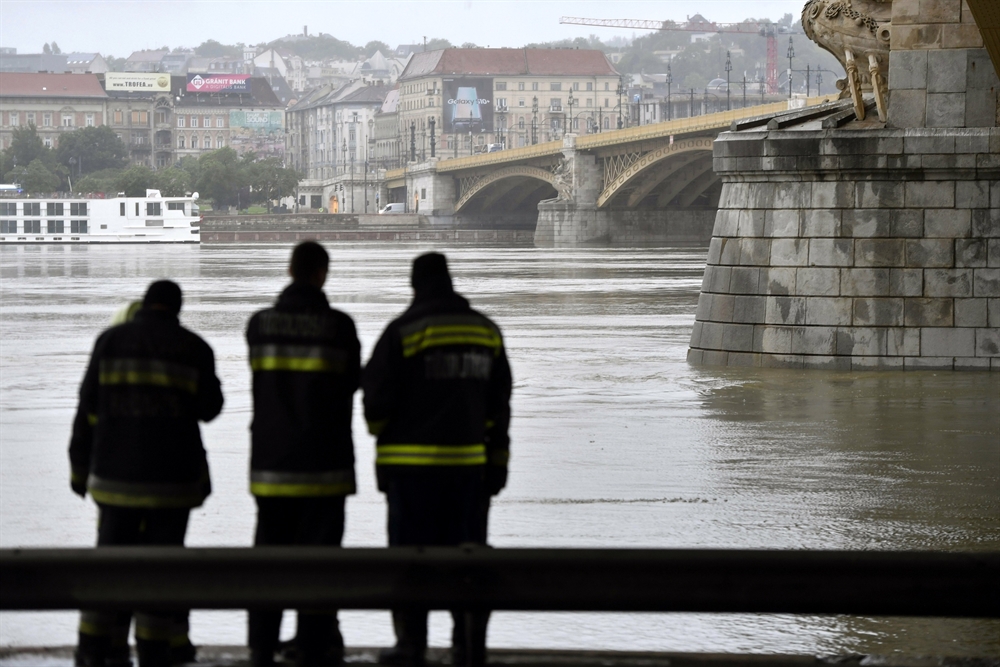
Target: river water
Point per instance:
(616, 440)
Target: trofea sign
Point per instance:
(155, 82)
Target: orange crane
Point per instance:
(766, 30)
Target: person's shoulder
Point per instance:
(486, 319)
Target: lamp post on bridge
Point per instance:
(791, 54)
(729, 68)
(534, 120)
(670, 80)
(621, 91)
(569, 119)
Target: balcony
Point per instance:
(555, 109)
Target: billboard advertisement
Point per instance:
(218, 83)
(259, 131)
(137, 81)
(468, 105)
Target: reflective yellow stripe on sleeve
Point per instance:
(450, 334)
(148, 372)
(431, 455)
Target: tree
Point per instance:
(438, 43)
(26, 147)
(46, 49)
(469, 45)
(38, 178)
(55, 49)
(173, 182)
(221, 178)
(375, 45)
(105, 180)
(135, 180)
(213, 49)
(269, 180)
(93, 148)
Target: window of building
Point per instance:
(118, 117)
(607, 123)
(590, 86)
(180, 142)
(194, 141)
(590, 102)
(194, 121)
(520, 101)
(206, 141)
(161, 116)
(555, 86)
(181, 120)
(218, 142)
(47, 142)
(78, 208)
(79, 226)
(218, 121)
(46, 120)
(520, 85)
(8, 226)
(32, 226)
(576, 123)
(67, 120)
(576, 86)
(89, 120)
(53, 208)
(206, 121)
(54, 226)
(555, 124)
(501, 102)
(15, 118)
(607, 102)
(423, 193)
(32, 208)
(153, 208)
(140, 118)
(8, 208)
(501, 85)
(520, 124)
(534, 85)
(556, 103)
(606, 86)
(31, 118)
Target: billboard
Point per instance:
(468, 105)
(218, 83)
(259, 131)
(133, 81)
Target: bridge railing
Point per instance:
(647, 580)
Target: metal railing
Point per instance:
(647, 580)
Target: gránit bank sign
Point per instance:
(218, 83)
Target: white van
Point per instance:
(398, 207)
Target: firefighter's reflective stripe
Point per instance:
(150, 372)
(154, 627)
(431, 455)
(449, 330)
(147, 494)
(499, 457)
(301, 358)
(376, 427)
(302, 484)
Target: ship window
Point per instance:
(54, 226)
(121, 209)
(154, 223)
(104, 226)
(78, 226)
(32, 226)
(8, 226)
(136, 210)
(78, 208)
(53, 208)
(175, 206)
(153, 208)
(32, 208)
(8, 208)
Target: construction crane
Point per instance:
(766, 30)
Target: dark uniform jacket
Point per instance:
(437, 390)
(306, 362)
(136, 440)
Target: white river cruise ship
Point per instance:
(149, 219)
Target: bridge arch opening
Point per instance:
(507, 198)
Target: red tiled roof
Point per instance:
(509, 62)
(34, 84)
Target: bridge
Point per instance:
(648, 184)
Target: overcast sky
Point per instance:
(118, 28)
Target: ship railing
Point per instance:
(868, 583)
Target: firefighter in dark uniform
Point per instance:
(306, 363)
(136, 448)
(437, 395)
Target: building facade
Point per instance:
(514, 97)
(53, 103)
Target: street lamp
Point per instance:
(791, 54)
(371, 139)
(534, 120)
(729, 68)
(570, 118)
(621, 92)
(670, 80)
(819, 82)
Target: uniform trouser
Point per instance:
(438, 507)
(315, 521)
(104, 635)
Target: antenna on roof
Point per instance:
(425, 43)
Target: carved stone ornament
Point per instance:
(563, 178)
(854, 31)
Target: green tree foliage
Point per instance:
(319, 47)
(94, 148)
(26, 147)
(38, 179)
(221, 178)
(268, 179)
(55, 49)
(135, 180)
(173, 182)
(105, 181)
(46, 49)
(213, 49)
(469, 45)
(438, 43)
(375, 45)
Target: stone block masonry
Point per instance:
(852, 266)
